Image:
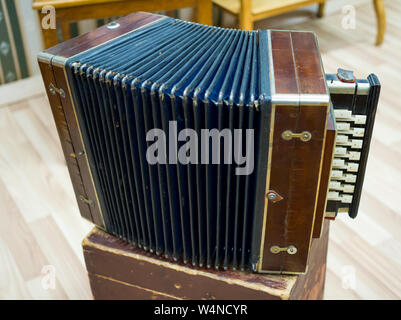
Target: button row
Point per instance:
(342, 152)
(346, 115)
(339, 175)
(342, 140)
(345, 128)
(336, 196)
(338, 186)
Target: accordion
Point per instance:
(214, 147)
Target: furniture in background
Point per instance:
(75, 10)
(381, 20)
(116, 270)
(250, 11)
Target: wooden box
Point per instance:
(116, 270)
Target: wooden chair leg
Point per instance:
(320, 12)
(204, 11)
(245, 16)
(381, 20)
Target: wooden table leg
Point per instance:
(381, 20)
(245, 16)
(204, 11)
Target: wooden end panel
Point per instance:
(60, 79)
(66, 140)
(101, 35)
(295, 164)
(280, 172)
(294, 175)
(329, 146)
(283, 63)
(310, 75)
(304, 181)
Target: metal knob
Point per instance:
(113, 25)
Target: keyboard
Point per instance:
(354, 104)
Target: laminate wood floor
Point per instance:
(41, 229)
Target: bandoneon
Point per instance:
(213, 147)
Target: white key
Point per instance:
(333, 195)
(356, 144)
(338, 163)
(352, 167)
(348, 188)
(342, 114)
(354, 155)
(341, 139)
(336, 174)
(359, 119)
(350, 178)
(339, 175)
(335, 185)
(340, 151)
(346, 115)
(343, 126)
(358, 132)
(349, 166)
(345, 198)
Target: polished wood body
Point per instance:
(116, 270)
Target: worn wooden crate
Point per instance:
(116, 270)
